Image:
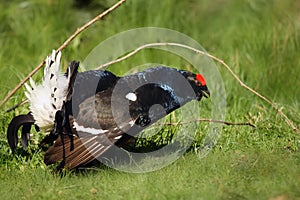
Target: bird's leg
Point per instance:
(63, 162)
(59, 121)
(62, 123)
(66, 124)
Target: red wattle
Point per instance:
(201, 79)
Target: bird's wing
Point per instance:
(94, 131)
(89, 83)
(84, 151)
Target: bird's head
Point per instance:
(198, 83)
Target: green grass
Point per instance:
(259, 39)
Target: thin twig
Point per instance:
(16, 106)
(212, 121)
(288, 121)
(64, 45)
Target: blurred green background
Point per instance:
(258, 39)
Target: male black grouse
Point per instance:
(87, 112)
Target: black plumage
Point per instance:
(104, 109)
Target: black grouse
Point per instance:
(88, 112)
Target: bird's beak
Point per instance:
(206, 93)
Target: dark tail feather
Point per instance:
(12, 132)
(71, 74)
(25, 136)
(61, 121)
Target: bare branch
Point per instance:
(213, 121)
(18, 105)
(64, 45)
(288, 121)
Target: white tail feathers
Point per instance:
(46, 98)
